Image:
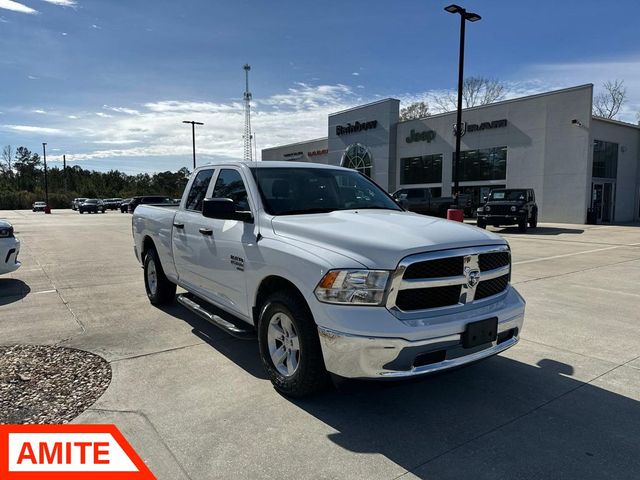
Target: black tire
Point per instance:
(481, 224)
(522, 226)
(533, 223)
(81, 212)
(164, 291)
(310, 376)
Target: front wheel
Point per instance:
(481, 223)
(160, 290)
(522, 226)
(533, 223)
(289, 346)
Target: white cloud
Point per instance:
(128, 111)
(355, 74)
(34, 129)
(64, 34)
(103, 115)
(97, 27)
(39, 110)
(30, 77)
(16, 7)
(72, 117)
(62, 3)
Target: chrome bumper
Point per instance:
(352, 356)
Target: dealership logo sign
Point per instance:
(426, 136)
(68, 452)
(476, 127)
(356, 127)
(315, 153)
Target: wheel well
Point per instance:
(271, 285)
(147, 244)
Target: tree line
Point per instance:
(22, 182)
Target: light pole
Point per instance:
(47, 209)
(193, 137)
(472, 17)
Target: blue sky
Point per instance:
(108, 82)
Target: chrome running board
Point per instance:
(237, 328)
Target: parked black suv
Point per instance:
(148, 199)
(509, 206)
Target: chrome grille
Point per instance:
(449, 278)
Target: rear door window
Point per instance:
(198, 190)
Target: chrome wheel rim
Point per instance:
(152, 276)
(284, 345)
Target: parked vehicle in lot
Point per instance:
(112, 203)
(39, 206)
(330, 272)
(422, 200)
(124, 205)
(9, 248)
(76, 202)
(91, 205)
(148, 200)
(509, 206)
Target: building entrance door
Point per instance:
(603, 201)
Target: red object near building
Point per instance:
(455, 214)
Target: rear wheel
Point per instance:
(290, 347)
(160, 290)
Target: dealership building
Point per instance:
(550, 142)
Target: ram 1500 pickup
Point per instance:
(329, 273)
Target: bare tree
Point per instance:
(607, 103)
(414, 110)
(475, 91)
(5, 166)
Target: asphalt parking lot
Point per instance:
(194, 402)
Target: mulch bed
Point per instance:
(49, 384)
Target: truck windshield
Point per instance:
(507, 195)
(292, 191)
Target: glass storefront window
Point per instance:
(424, 169)
(605, 159)
(357, 157)
(483, 164)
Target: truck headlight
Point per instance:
(361, 287)
(513, 208)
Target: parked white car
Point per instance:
(333, 275)
(9, 248)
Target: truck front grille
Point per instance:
(450, 277)
(442, 267)
(488, 288)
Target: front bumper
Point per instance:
(503, 219)
(356, 356)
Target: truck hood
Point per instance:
(380, 238)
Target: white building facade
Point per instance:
(549, 142)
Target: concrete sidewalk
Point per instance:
(194, 402)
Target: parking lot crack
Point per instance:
(133, 357)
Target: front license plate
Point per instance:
(478, 333)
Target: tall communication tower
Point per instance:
(248, 137)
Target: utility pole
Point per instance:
(47, 208)
(247, 116)
(64, 171)
(464, 17)
(193, 138)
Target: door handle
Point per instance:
(206, 231)
(179, 225)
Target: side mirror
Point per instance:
(224, 209)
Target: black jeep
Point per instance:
(509, 206)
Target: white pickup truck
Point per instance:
(329, 273)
